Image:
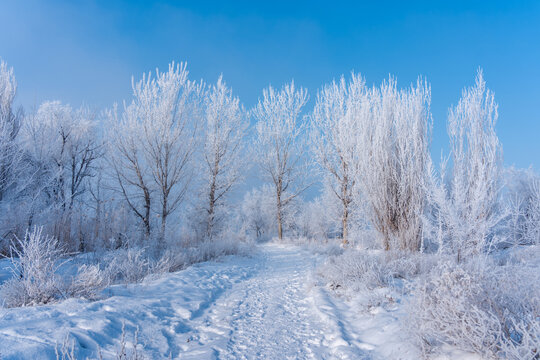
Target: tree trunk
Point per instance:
(386, 242)
(162, 232)
(280, 226)
(345, 201)
(345, 230)
(164, 214)
(211, 208)
(279, 217)
(146, 219)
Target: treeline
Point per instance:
(162, 168)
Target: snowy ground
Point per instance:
(264, 306)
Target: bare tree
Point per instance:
(153, 143)
(63, 147)
(279, 145)
(257, 213)
(335, 136)
(224, 152)
(85, 149)
(10, 123)
(393, 147)
(128, 164)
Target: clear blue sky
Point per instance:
(86, 51)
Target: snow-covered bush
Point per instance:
(213, 249)
(127, 265)
(522, 193)
(36, 280)
(478, 307)
(35, 261)
(184, 255)
(531, 213)
(88, 282)
(523, 256)
(368, 270)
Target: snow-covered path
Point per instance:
(237, 308)
(267, 316)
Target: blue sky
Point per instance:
(86, 51)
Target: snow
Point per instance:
(267, 316)
(163, 309)
(267, 306)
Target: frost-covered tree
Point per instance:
(279, 144)
(523, 195)
(153, 143)
(61, 148)
(10, 123)
(335, 135)
(128, 165)
(531, 214)
(85, 148)
(393, 144)
(467, 206)
(224, 152)
(257, 213)
(62, 145)
(320, 219)
(476, 160)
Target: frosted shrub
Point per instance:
(489, 310)
(532, 215)
(176, 259)
(134, 264)
(354, 270)
(443, 311)
(35, 262)
(127, 265)
(88, 282)
(525, 193)
(171, 261)
(361, 270)
(524, 256)
(213, 249)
